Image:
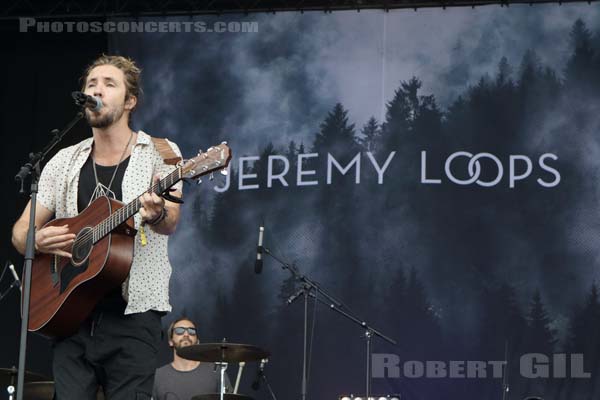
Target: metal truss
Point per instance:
(61, 9)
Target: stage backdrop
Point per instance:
(438, 171)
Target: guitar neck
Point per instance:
(129, 210)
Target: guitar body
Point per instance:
(65, 291)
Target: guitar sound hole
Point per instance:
(82, 246)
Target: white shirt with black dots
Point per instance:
(147, 287)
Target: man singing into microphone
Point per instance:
(117, 346)
(183, 379)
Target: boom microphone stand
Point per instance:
(263, 376)
(33, 168)
(313, 289)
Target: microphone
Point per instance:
(293, 297)
(259, 374)
(258, 265)
(17, 280)
(83, 100)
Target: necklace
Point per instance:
(102, 190)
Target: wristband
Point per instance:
(158, 219)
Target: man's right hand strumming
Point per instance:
(52, 239)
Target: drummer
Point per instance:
(182, 379)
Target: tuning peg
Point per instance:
(211, 176)
(199, 151)
(199, 181)
(224, 142)
(224, 172)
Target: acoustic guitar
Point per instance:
(64, 291)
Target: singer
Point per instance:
(117, 346)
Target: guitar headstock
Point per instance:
(214, 159)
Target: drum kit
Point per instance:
(222, 354)
(40, 387)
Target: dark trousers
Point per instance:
(112, 350)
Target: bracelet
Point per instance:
(158, 219)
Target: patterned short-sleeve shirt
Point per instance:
(147, 287)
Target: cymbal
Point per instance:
(217, 396)
(222, 352)
(7, 373)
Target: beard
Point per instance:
(104, 121)
(183, 343)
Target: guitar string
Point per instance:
(101, 230)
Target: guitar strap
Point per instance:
(169, 157)
(166, 152)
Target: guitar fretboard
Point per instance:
(126, 212)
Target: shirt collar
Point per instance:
(87, 144)
(142, 138)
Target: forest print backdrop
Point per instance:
(451, 268)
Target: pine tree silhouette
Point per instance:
(540, 338)
(580, 68)
(336, 135)
(504, 73)
(584, 331)
(370, 135)
(502, 327)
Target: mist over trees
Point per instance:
(451, 272)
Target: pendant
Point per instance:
(101, 190)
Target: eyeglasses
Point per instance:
(180, 330)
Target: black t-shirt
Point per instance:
(87, 181)
(87, 184)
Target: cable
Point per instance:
(312, 337)
(6, 264)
